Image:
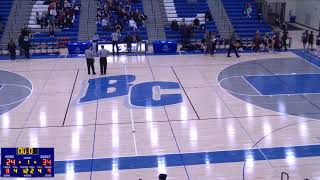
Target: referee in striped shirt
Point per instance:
(90, 59)
(103, 54)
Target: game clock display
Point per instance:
(27, 162)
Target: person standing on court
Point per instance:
(310, 40)
(90, 59)
(129, 41)
(139, 43)
(284, 39)
(103, 54)
(318, 42)
(12, 49)
(115, 36)
(233, 45)
(305, 39)
(26, 46)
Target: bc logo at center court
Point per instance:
(147, 94)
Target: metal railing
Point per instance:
(223, 15)
(16, 15)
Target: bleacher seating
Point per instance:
(5, 8)
(43, 36)
(178, 9)
(245, 26)
(106, 35)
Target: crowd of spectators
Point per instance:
(273, 41)
(187, 30)
(113, 15)
(60, 14)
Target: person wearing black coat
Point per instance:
(233, 45)
(304, 38)
(318, 42)
(20, 41)
(310, 40)
(129, 41)
(12, 49)
(284, 39)
(26, 46)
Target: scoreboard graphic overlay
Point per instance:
(27, 162)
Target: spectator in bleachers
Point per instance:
(118, 27)
(51, 31)
(53, 12)
(25, 31)
(304, 38)
(310, 40)
(115, 36)
(38, 17)
(99, 16)
(44, 21)
(135, 15)
(183, 22)
(67, 4)
(58, 6)
(128, 5)
(95, 37)
(175, 25)
(142, 18)
(248, 9)
(76, 9)
(52, 21)
(60, 21)
(68, 21)
(105, 23)
(133, 24)
(12, 49)
(196, 23)
(208, 16)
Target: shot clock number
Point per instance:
(27, 151)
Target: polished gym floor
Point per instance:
(192, 117)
